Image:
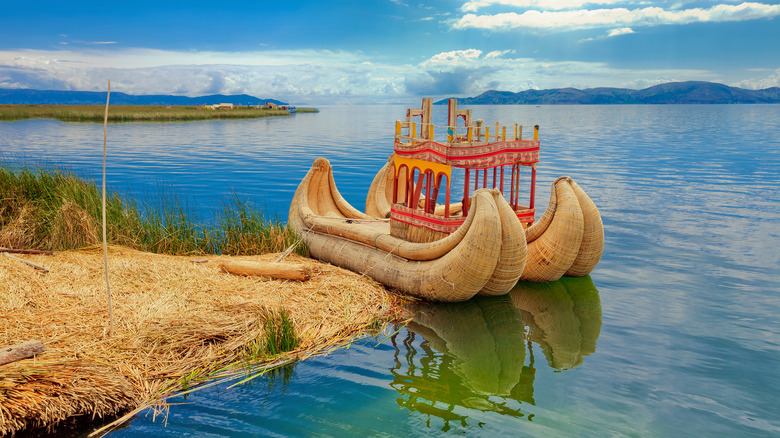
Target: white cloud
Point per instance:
(288, 75)
(621, 31)
(475, 5)
(773, 80)
(497, 53)
(312, 76)
(469, 72)
(585, 19)
(453, 58)
(145, 58)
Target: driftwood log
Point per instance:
(283, 271)
(25, 251)
(21, 351)
(27, 262)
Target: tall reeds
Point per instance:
(50, 208)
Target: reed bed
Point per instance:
(133, 113)
(49, 208)
(179, 322)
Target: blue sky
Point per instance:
(385, 50)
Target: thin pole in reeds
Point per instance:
(105, 244)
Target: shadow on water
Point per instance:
(479, 354)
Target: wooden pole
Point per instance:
(105, 243)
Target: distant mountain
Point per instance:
(53, 97)
(671, 93)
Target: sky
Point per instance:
(366, 51)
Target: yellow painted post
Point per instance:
(430, 132)
(469, 133)
(487, 134)
(497, 131)
(520, 132)
(397, 128)
(516, 137)
(536, 132)
(413, 129)
(503, 133)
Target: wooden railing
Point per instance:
(476, 133)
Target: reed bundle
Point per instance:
(177, 324)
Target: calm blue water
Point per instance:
(675, 333)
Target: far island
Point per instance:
(140, 113)
(89, 106)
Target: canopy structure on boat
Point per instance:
(426, 160)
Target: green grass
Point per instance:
(278, 336)
(280, 333)
(133, 113)
(49, 208)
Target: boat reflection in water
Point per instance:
(479, 354)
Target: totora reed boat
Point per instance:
(481, 245)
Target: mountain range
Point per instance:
(54, 97)
(692, 92)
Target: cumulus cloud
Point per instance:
(497, 53)
(773, 80)
(311, 76)
(468, 72)
(621, 31)
(453, 58)
(595, 18)
(284, 74)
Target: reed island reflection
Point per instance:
(480, 354)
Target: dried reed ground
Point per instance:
(177, 323)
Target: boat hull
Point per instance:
(485, 255)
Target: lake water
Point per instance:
(675, 333)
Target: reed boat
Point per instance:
(567, 240)
(409, 240)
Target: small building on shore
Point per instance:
(222, 106)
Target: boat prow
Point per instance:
(569, 237)
(484, 255)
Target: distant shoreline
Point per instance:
(136, 113)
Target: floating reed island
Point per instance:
(480, 245)
(179, 319)
(139, 113)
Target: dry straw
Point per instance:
(179, 324)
